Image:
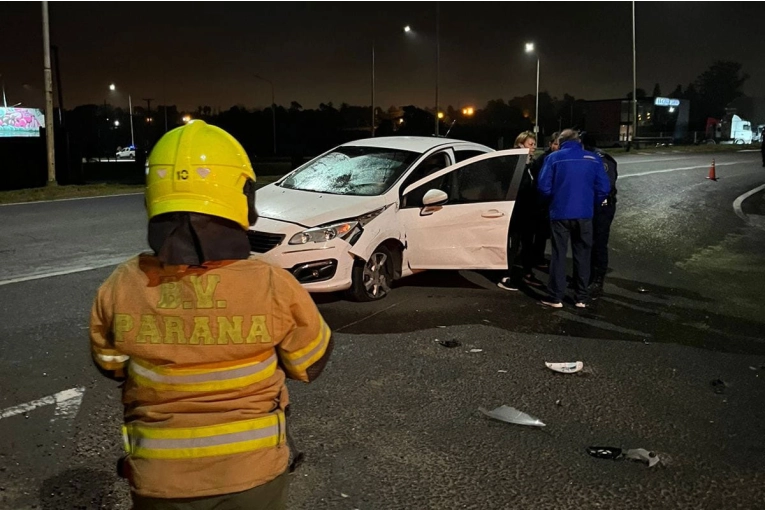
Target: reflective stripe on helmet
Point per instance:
(147, 442)
(213, 378)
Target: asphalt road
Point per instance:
(393, 422)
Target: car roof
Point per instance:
(408, 143)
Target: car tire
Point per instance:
(371, 278)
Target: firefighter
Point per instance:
(204, 337)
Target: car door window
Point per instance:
(431, 164)
(493, 179)
(465, 154)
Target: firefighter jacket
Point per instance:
(205, 350)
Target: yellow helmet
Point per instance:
(200, 168)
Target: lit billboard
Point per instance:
(20, 122)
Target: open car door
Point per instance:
(459, 217)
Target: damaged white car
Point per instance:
(372, 211)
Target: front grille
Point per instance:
(261, 242)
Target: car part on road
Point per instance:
(612, 453)
(570, 367)
(511, 415)
(450, 344)
(718, 385)
(372, 278)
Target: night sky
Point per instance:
(193, 54)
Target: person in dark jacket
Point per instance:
(541, 227)
(602, 218)
(573, 179)
(521, 226)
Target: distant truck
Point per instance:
(730, 129)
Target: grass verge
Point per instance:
(84, 190)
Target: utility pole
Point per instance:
(373, 89)
(438, 58)
(634, 78)
(148, 106)
(48, 97)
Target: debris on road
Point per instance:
(642, 455)
(450, 344)
(570, 367)
(502, 371)
(718, 385)
(509, 414)
(612, 453)
(476, 350)
(642, 290)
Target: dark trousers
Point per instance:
(601, 230)
(580, 233)
(270, 496)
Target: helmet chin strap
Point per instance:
(249, 192)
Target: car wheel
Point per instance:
(372, 278)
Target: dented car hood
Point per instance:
(311, 209)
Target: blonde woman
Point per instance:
(521, 223)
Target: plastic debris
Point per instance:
(612, 453)
(451, 344)
(566, 368)
(502, 371)
(511, 415)
(718, 385)
(476, 350)
(604, 452)
(642, 455)
(344, 495)
(643, 290)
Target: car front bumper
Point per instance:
(319, 267)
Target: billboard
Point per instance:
(20, 122)
(665, 101)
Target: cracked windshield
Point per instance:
(363, 171)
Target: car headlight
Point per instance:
(324, 233)
(341, 229)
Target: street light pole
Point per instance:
(373, 89)
(530, 49)
(48, 97)
(634, 77)
(438, 59)
(273, 107)
(130, 105)
(536, 107)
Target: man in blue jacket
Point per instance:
(573, 180)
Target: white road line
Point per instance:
(70, 199)
(665, 170)
(632, 162)
(109, 262)
(67, 404)
(740, 200)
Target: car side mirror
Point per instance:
(434, 197)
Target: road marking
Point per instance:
(631, 162)
(601, 324)
(70, 199)
(109, 262)
(740, 200)
(378, 312)
(640, 174)
(67, 404)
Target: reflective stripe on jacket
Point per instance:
(205, 351)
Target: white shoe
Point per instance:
(507, 284)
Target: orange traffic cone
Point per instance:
(712, 175)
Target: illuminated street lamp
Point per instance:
(113, 87)
(407, 29)
(440, 115)
(530, 49)
(186, 119)
(468, 111)
(116, 123)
